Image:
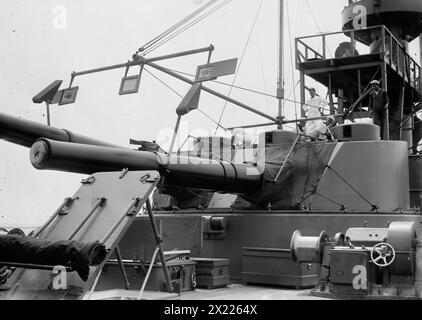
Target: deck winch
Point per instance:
(364, 262)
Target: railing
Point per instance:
(350, 43)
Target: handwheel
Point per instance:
(383, 254)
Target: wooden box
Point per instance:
(212, 273)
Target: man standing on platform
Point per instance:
(378, 105)
(313, 109)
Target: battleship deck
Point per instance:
(232, 292)
(184, 230)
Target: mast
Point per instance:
(280, 84)
(420, 61)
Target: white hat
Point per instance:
(375, 82)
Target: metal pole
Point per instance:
(173, 140)
(252, 126)
(100, 202)
(159, 240)
(210, 54)
(330, 93)
(302, 93)
(130, 211)
(209, 49)
(336, 115)
(66, 203)
(401, 109)
(48, 112)
(360, 85)
(420, 62)
(215, 93)
(287, 158)
(122, 267)
(280, 84)
(340, 102)
(315, 118)
(142, 61)
(386, 130)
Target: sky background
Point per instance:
(41, 41)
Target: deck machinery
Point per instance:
(218, 203)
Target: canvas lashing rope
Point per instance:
(374, 207)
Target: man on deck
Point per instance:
(313, 109)
(378, 104)
(315, 105)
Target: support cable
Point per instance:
(316, 22)
(240, 63)
(253, 91)
(188, 26)
(184, 142)
(342, 206)
(181, 96)
(141, 292)
(364, 92)
(291, 63)
(374, 207)
(165, 84)
(174, 27)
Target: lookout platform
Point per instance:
(347, 61)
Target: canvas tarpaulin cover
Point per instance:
(29, 250)
(299, 177)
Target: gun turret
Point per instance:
(286, 174)
(59, 149)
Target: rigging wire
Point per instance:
(240, 62)
(186, 27)
(228, 84)
(373, 206)
(184, 142)
(316, 22)
(175, 26)
(252, 90)
(215, 121)
(291, 62)
(329, 199)
(262, 69)
(313, 16)
(162, 82)
(364, 90)
(181, 96)
(298, 12)
(191, 24)
(294, 88)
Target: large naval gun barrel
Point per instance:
(26, 132)
(60, 149)
(178, 171)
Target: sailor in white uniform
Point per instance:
(313, 109)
